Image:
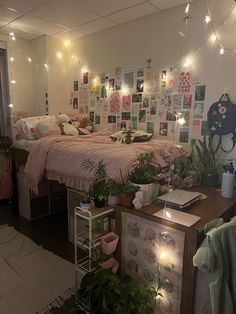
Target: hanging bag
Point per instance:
(221, 120)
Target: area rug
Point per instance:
(32, 279)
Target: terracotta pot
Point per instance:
(126, 200)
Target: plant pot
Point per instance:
(109, 243)
(210, 180)
(150, 192)
(85, 205)
(111, 263)
(126, 200)
(113, 200)
(99, 203)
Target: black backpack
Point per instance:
(221, 120)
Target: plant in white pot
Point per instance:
(85, 202)
(145, 174)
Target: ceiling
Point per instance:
(68, 19)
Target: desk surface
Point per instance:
(214, 206)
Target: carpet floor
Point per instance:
(50, 232)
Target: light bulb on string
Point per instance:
(207, 19)
(12, 59)
(29, 59)
(187, 8)
(213, 38)
(222, 51)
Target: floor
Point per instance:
(49, 231)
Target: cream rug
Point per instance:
(32, 279)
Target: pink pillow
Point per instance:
(46, 128)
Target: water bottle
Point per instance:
(227, 185)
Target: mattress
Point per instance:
(24, 144)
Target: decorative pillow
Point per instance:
(45, 128)
(83, 131)
(68, 129)
(137, 136)
(62, 118)
(27, 126)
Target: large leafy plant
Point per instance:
(108, 293)
(207, 160)
(144, 170)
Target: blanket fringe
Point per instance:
(58, 301)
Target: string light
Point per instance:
(12, 59)
(187, 8)
(213, 38)
(13, 81)
(222, 51)
(207, 19)
(29, 59)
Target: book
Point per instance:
(177, 216)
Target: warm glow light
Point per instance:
(163, 255)
(45, 65)
(207, 19)
(187, 62)
(222, 51)
(29, 59)
(12, 59)
(59, 55)
(11, 34)
(67, 43)
(213, 38)
(84, 70)
(13, 81)
(11, 105)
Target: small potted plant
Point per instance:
(85, 202)
(100, 188)
(207, 161)
(145, 174)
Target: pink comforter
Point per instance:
(59, 157)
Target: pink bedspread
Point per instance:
(59, 157)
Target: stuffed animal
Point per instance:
(138, 200)
(65, 125)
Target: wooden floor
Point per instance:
(50, 232)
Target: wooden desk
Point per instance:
(213, 207)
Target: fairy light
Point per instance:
(181, 121)
(12, 59)
(222, 51)
(163, 255)
(67, 43)
(207, 19)
(13, 82)
(10, 105)
(187, 62)
(213, 38)
(29, 59)
(45, 65)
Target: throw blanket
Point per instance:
(61, 156)
(32, 280)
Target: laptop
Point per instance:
(179, 198)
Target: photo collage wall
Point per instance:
(143, 99)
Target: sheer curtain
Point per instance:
(5, 113)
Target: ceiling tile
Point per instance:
(19, 33)
(166, 4)
(68, 35)
(132, 13)
(65, 13)
(95, 26)
(7, 15)
(33, 25)
(22, 5)
(105, 7)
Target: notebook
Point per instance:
(177, 216)
(179, 198)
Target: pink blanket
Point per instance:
(59, 157)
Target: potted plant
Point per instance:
(207, 161)
(85, 202)
(100, 188)
(108, 293)
(109, 242)
(145, 174)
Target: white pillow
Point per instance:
(27, 126)
(70, 129)
(46, 128)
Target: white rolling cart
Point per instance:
(89, 226)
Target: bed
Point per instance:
(59, 157)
